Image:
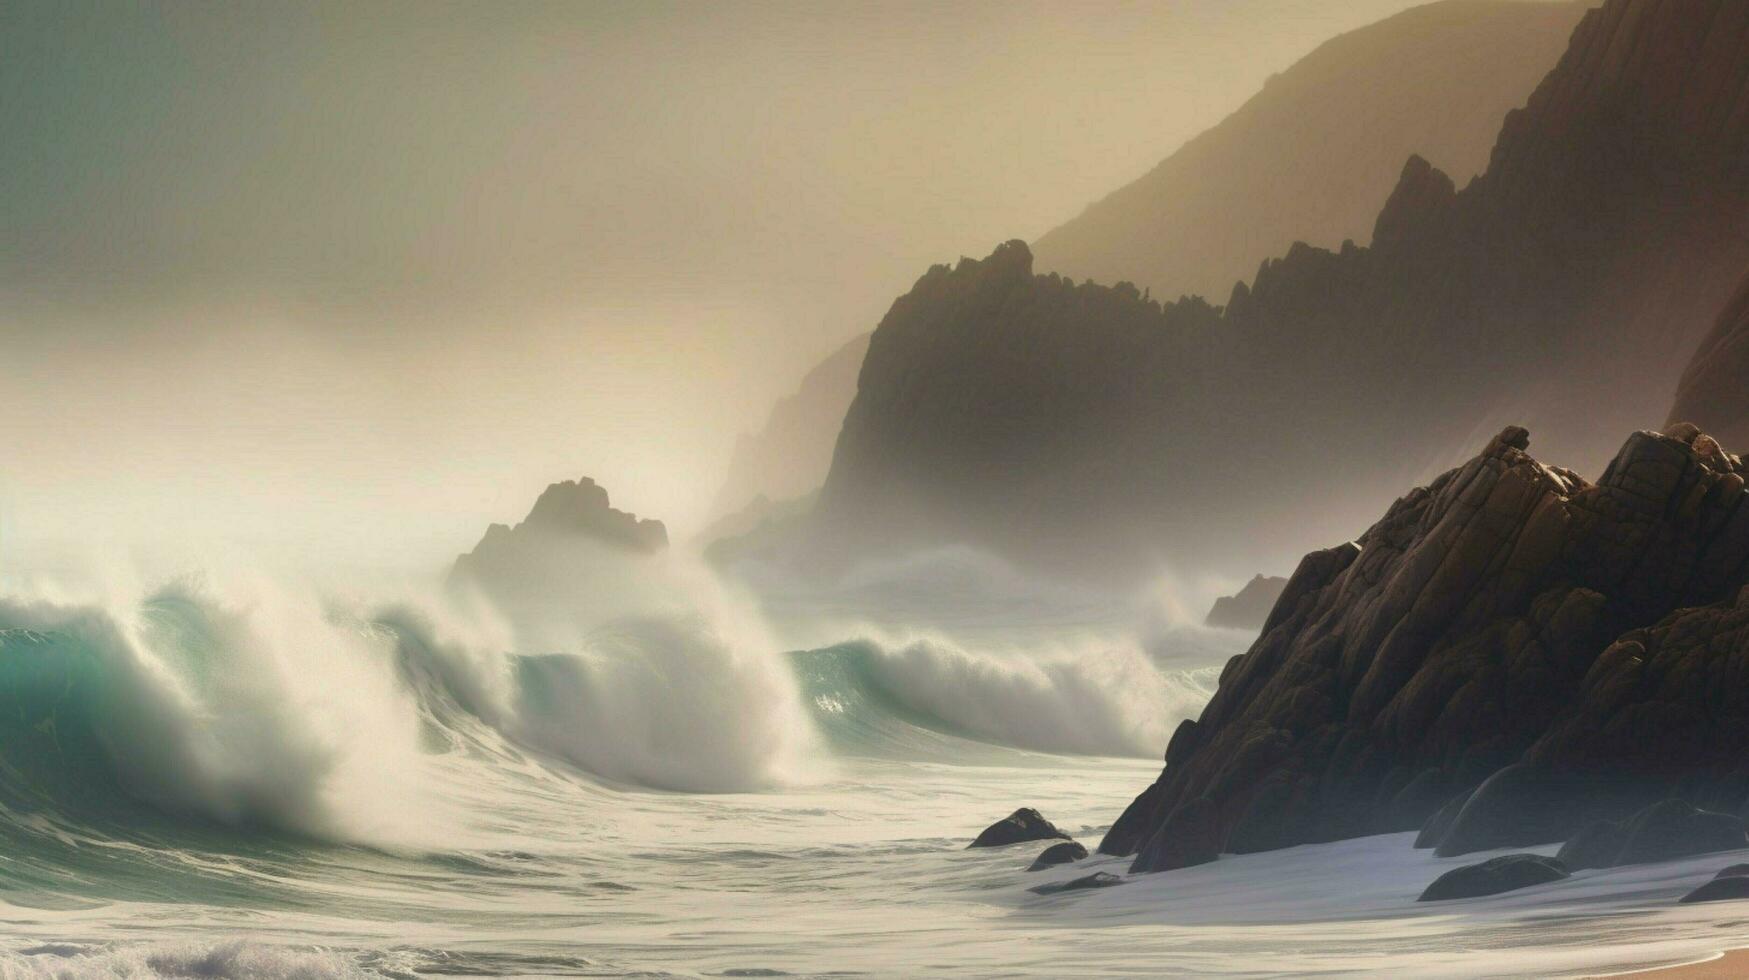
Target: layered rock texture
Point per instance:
(1249, 608)
(1566, 287)
(1310, 157)
(1582, 648)
(568, 514)
(1714, 393)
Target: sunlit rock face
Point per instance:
(1582, 644)
(1566, 288)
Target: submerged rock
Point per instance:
(1068, 852)
(1501, 874)
(1673, 829)
(1598, 844)
(1516, 807)
(1719, 890)
(1439, 824)
(1024, 824)
(1098, 879)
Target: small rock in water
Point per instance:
(1024, 824)
(1068, 852)
(1501, 874)
(1098, 879)
(1719, 890)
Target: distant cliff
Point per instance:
(1311, 156)
(1714, 393)
(1567, 286)
(788, 457)
(1249, 608)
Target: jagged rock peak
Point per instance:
(582, 507)
(1471, 629)
(1421, 200)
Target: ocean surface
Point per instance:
(226, 777)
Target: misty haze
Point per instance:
(759, 489)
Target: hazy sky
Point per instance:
(361, 277)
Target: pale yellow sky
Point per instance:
(352, 280)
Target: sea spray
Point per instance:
(246, 713)
(1098, 697)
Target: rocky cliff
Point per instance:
(1310, 157)
(1567, 286)
(1714, 392)
(1509, 612)
(788, 457)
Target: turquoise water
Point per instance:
(197, 783)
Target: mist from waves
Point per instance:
(244, 702)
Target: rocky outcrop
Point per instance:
(1249, 608)
(1580, 644)
(1568, 285)
(1718, 890)
(1024, 824)
(1068, 852)
(1502, 874)
(1714, 392)
(565, 515)
(1417, 82)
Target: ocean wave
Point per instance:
(267, 709)
(260, 717)
(665, 702)
(1108, 699)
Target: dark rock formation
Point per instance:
(1719, 890)
(1714, 392)
(564, 516)
(1671, 829)
(1091, 429)
(1098, 879)
(1733, 871)
(1598, 844)
(1191, 835)
(1068, 852)
(1250, 607)
(1436, 80)
(1590, 637)
(1502, 874)
(1024, 824)
(1516, 807)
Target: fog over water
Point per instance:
(328, 270)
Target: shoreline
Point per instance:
(1725, 965)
